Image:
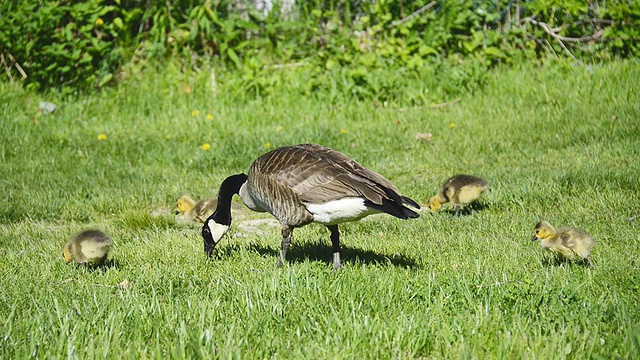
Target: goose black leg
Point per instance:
(335, 241)
(457, 210)
(286, 241)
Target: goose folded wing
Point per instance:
(318, 174)
(332, 184)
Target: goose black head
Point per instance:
(212, 232)
(218, 223)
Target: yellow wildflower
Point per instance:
(343, 131)
(278, 128)
(267, 145)
(209, 117)
(195, 113)
(452, 125)
(102, 137)
(99, 21)
(206, 147)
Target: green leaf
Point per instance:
(106, 79)
(234, 57)
(426, 50)
(118, 23)
(495, 52)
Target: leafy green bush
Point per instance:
(84, 44)
(62, 45)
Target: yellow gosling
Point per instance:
(567, 242)
(195, 211)
(459, 190)
(88, 247)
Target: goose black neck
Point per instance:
(229, 187)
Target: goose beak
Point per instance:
(208, 249)
(209, 244)
(176, 212)
(534, 238)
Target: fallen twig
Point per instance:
(284, 66)
(581, 22)
(413, 15)
(15, 63)
(499, 283)
(6, 67)
(442, 105)
(547, 29)
(434, 106)
(554, 32)
(551, 47)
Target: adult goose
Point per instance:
(307, 183)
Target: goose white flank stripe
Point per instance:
(339, 211)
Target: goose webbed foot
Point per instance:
(335, 242)
(337, 263)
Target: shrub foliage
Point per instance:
(83, 44)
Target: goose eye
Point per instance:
(537, 231)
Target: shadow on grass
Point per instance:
(467, 210)
(560, 261)
(108, 264)
(319, 252)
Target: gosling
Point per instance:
(195, 211)
(567, 242)
(88, 247)
(459, 190)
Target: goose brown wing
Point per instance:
(350, 165)
(318, 174)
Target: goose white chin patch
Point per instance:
(217, 230)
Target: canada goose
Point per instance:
(459, 190)
(88, 247)
(195, 211)
(307, 183)
(568, 242)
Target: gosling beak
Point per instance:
(534, 238)
(176, 211)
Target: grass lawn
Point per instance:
(556, 143)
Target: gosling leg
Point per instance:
(457, 210)
(335, 242)
(589, 263)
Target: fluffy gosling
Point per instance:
(88, 247)
(195, 211)
(458, 190)
(567, 242)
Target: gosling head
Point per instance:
(67, 252)
(543, 230)
(212, 232)
(434, 204)
(184, 204)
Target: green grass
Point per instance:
(557, 143)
